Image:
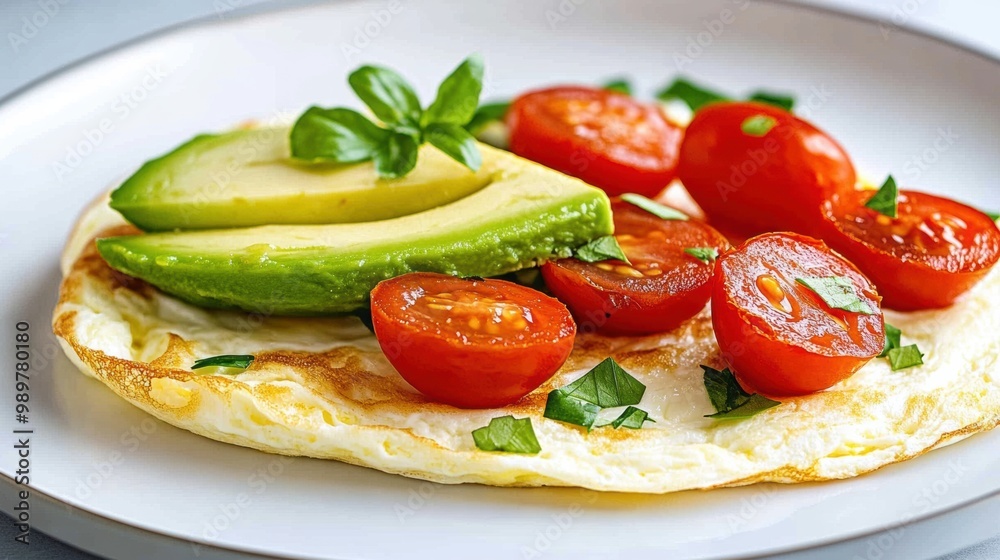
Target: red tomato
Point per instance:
(663, 287)
(754, 184)
(779, 337)
(607, 139)
(470, 343)
(933, 252)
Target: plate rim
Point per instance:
(267, 8)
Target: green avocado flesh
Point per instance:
(246, 178)
(526, 214)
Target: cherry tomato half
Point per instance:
(607, 139)
(663, 286)
(470, 343)
(750, 183)
(935, 250)
(779, 337)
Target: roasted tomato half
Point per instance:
(778, 334)
(662, 287)
(470, 343)
(607, 139)
(755, 168)
(931, 253)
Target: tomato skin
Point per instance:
(611, 303)
(752, 184)
(790, 353)
(628, 147)
(449, 362)
(910, 277)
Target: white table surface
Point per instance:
(77, 29)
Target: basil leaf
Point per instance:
(456, 142)
(892, 339)
(509, 434)
(729, 399)
(993, 216)
(632, 417)
(758, 125)
(786, 102)
(703, 254)
(458, 95)
(487, 113)
(607, 386)
(240, 361)
(620, 85)
(755, 404)
(905, 357)
(388, 95)
(601, 249)
(653, 207)
(337, 135)
(564, 408)
(837, 292)
(396, 156)
(693, 95)
(886, 200)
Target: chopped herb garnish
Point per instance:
(564, 408)
(601, 249)
(729, 399)
(342, 135)
(238, 361)
(993, 216)
(703, 254)
(837, 292)
(487, 113)
(653, 207)
(607, 386)
(758, 125)
(786, 102)
(620, 85)
(693, 95)
(631, 417)
(892, 339)
(905, 357)
(886, 200)
(509, 434)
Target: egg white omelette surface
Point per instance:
(320, 387)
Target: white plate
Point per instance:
(900, 103)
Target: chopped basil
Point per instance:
(654, 208)
(786, 102)
(886, 200)
(509, 434)
(758, 125)
(239, 361)
(564, 408)
(703, 254)
(993, 216)
(607, 386)
(905, 357)
(487, 113)
(620, 85)
(693, 95)
(601, 249)
(342, 135)
(631, 417)
(729, 399)
(837, 292)
(892, 339)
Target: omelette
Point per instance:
(321, 387)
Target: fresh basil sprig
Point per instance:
(893, 337)
(607, 385)
(731, 402)
(837, 292)
(507, 434)
(886, 200)
(696, 96)
(601, 249)
(619, 85)
(341, 135)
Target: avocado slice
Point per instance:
(246, 178)
(527, 213)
